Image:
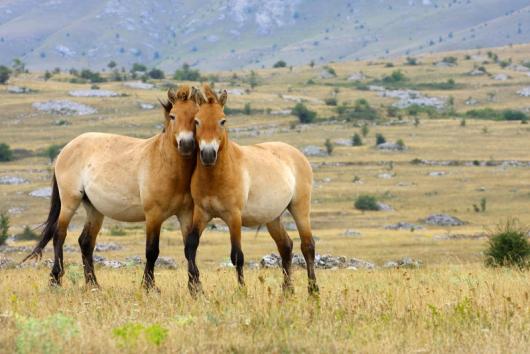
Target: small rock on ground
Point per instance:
(405, 262)
(110, 246)
(313, 150)
(12, 180)
(443, 220)
(351, 233)
(45, 192)
(402, 225)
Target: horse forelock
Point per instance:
(209, 94)
(183, 93)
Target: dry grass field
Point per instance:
(450, 303)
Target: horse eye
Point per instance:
(172, 116)
(222, 122)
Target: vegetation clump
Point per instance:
(366, 202)
(360, 111)
(357, 140)
(4, 228)
(5, 72)
(304, 114)
(508, 246)
(280, 64)
(6, 154)
(186, 73)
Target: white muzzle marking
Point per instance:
(213, 144)
(185, 135)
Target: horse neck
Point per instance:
(170, 156)
(223, 166)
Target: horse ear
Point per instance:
(172, 95)
(197, 96)
(223, 97)
(167, 106)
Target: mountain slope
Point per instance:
(226, 34)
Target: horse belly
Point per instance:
(267, 203)
(117, 201)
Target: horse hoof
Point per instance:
(195, 289)
(288, 289)
(313, 290)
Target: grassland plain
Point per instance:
(452, 303)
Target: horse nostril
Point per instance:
(208, 156)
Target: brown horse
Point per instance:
(127, 179)
(247, 186)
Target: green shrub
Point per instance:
(247, 109)
(253, 79)
(366, 202)
(396, 76)
(489, 113)
(401, 144)
(156, 74)
(356, 140)
(330, 70)
(128, 334)
(508, 246)
(303, 113)
(185, 73)
(332, 101)
(411, 61)
(6, 154)
(4, 228)
(360, 111)
(379, 139)
(91, 76)
(27, 234)
(139, 67)
(52, 151)
(34, 335)
(450, 60)
(5, 72)
(280, 64)
(365, 130)
(329, 146)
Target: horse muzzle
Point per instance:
(186, 147)
(208, 156)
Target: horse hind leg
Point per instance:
(69, 204)
(285, 247)
(300, 210)
(87, 242)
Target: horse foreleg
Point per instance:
(236, 254)
(152, 230)
(191, 243)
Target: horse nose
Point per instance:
(208, 157)
(186, 146)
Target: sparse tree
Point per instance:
(112, 64)
(379, 139)
(357, 140)
(52, 151)
(280, 64)
(47, 75)
(139, 67)
(186, 73)
(18, 66)
(329, 146)
(6, 154)
(4, 228)
(156, 74)
(247, 109)
(365, 130)
(4, 74)
(303, 113)
(253, 79)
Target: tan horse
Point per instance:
(127, 179)
(247, 186)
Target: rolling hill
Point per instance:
(230, 34)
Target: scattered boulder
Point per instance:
(45, 192)
(270, 261)
(343, 142)
(12, 180)
(64, 107)
(501, 77)
(437, 173)
(326, 74)
(235, 92)
(351, 233)
(443, 220)
(386, 175)
(6, 263)
(476, 72)
(133, 260)
(329, 262)
(478, 236)
(313, 150)
(93, 93)
(138, 85)
(524, 92)
(16, 249)
(391, 147)
(471, 101)
(281, 112)
(409, 98)
(108, 263)
(166, 262)
(402, 225)
(18, 89)
(15, 210)
(105, 247)
(405, 262)
(384, 207)
(298, 260)
(518, 68)
(355, 264)
(147, 106)
(359, 76)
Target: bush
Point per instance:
(361, 110)
(330, 70)
(365, 130)
(508, 246)
(280, 64)
(247, 109)
(4, 74)
(450, 60)
(6, 154)
(303, 113)
(138, 67)
(4, 228)
(366, 202)
(253, 79)
(91, 76)
(156, 74)
(411, 61)
(185, 73)
(489, 113)
(379, 139)
(332, 101)
(329, 146)
(401, 144)
(396, 76)
(52, 151)
(26, 235)
(356, 140)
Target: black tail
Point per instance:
(50, 225)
